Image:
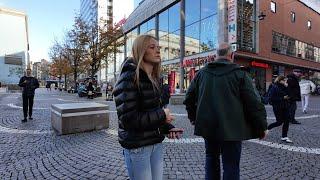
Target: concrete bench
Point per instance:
(79, 117)
(177, 99)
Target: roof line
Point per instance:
(12, 12)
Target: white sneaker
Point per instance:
(286, 139)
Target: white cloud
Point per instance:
(121, 9)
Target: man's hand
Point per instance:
(265, 133)
(169, 117)
(286, 97)
(175, 133)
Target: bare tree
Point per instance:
(74, 48)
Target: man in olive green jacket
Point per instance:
(223, 106)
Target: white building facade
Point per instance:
(13, 45)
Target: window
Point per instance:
(208, 8)
(309, 24)
(273, 7)
(192, 11)
(293, 17)
(209, 33)
(192, 39)
(163, 35)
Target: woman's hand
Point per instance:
(175, 133)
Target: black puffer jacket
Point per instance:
(140, 116)
(277, 93)
(293, 88)
(29, 85)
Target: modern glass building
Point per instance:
(189, 32)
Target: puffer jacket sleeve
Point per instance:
(254, 110)
(127, 104)
(21, 82)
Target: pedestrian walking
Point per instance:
(279, 97)
(143, 123)
(294, 94)
(29, 85)
(306, 87)
(225, 110)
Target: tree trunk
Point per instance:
(75, 75)
(65, 81)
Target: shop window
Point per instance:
(130, 37)
(209, 34)
(208, 8)
(293, 17)
(192, 38)
(174, 44)
(174, 17)
(273, 7)
(192, 11)
(164, 34)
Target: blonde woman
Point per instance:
(143, 123)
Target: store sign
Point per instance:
(257, 64)
(232, 24)
(198, 61)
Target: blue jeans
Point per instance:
(231, 153)
(145, 163)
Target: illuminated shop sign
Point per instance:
(198, 61)
(232, 24)
(257, 64)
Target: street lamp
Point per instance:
(261, 16)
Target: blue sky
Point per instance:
(47, 19)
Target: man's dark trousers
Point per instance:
(292, 111)
(231, 153)
(27, 104)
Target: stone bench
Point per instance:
(177, 99)
(79, 117)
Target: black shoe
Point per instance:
(24, 120)
(30, 118)
(295, 122)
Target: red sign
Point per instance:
(257, 64)
(121, 22)
(172, 80)
(198, 61)
(191, 73)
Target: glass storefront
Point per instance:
(130, 37)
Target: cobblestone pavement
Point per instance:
(33, 151)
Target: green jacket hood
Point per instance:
(221, 67)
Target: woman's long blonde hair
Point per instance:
(139, 47)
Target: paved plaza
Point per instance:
(32, 150)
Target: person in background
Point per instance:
(294, 94)
(225, 110)
(279, 97)
(29, 85)
(90, 89)
(306, 87)
(143, 122)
